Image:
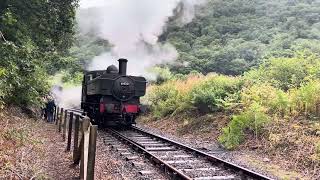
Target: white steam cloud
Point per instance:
(141, 57)
(133, 27)
(66, 97)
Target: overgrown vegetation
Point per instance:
(277, 103)
(231, 38)
(252, 119)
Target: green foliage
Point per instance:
(46, 24)
(279, 88)
(285, 86)
(273, 99)
(306, 98)
(230, 37)
(286, 73)
(214, 93)
(37, 35)
(24, 78)
(194, 92)
(173, 96)
(253, 119)
(163, 99)
(70, 79)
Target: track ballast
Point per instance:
(180, 161)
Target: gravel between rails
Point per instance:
(110, 164)
(193, 165)
(209, 147)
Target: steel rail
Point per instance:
(175, 173)
(241, 170)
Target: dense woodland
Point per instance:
(257, 62)
(230, 37)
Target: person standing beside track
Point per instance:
(50, 108)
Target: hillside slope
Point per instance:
(230, 37)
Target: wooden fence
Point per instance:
(84, 139)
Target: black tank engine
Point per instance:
(112, 98)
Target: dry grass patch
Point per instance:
(21, 149)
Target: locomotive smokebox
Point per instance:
(123, 67)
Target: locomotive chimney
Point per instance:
(123, 66)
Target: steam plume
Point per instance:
(133, 27)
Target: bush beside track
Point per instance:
(274, 108)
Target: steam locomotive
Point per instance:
(110, 97)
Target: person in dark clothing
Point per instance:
(50, 108)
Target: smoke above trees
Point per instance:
(133, 28)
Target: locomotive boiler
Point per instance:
(111, 97)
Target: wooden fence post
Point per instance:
(70, 131)
(84, 148)
(76, 138)
(78, 156)
(92, 152)
(54, 114)
(57, 115)
(65, 125)
(60, 120)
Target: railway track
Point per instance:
(180, 161)
(177, 160)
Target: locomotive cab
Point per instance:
(111, 97)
